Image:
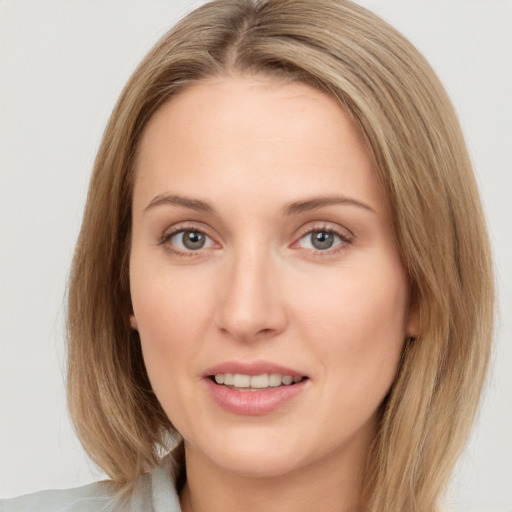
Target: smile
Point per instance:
(242, 382)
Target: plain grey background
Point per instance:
(63, 64)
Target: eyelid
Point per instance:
(186, 226)
(345, 235)
(343, 232)
(183, 227)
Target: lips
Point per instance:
(251, 368)
(253, 382)
(254, 388)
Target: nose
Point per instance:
(250, 305)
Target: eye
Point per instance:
(185, 241)
(322, 240)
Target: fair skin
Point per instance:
(281, 259)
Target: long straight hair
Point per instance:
(419, 153)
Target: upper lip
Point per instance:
(251, 368)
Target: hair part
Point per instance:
(419, 153)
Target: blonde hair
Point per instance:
(419, 153)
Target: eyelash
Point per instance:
(166, 237)
(345, 239)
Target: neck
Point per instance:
(331, 485)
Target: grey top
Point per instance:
(153, 492)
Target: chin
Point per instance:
(252, 452)
(258, 463)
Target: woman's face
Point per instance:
(263, 253)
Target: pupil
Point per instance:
(322, 240)
(193, 240)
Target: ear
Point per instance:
(133, 322)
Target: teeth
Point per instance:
(241, 381)
(274, 380)
(262, 381)
(259, 381)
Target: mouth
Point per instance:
(254, 388)
(261, 382)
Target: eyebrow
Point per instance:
(293, 208)
(297, 207)
(192, 204)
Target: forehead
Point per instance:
(253, 133)
(218, 110)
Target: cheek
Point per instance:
(157, 313)
(173, 312)
(169, 307)
(355, 300)
(168, 325)
(357, 328)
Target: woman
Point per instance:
(275, 262)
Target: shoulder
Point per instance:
(80, 499)
(152, 492)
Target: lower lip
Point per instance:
(253, 403)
